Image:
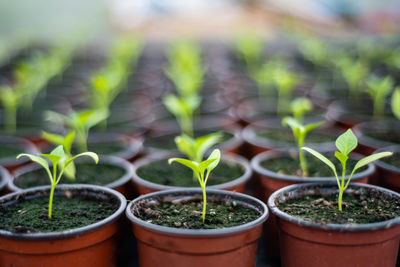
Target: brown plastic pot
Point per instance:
(267, 182)
(4, 178)
(11, 163)
(121, 185)
(388, 175)
(305, 243)
(142, 186)
(173, 247)
(92, 245)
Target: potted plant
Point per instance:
(78, 228)
(388, 169)
(318, 222)
(202, 236)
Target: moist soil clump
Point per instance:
(186, 212)
(101, 174)
(31, 216)
(286, 136)
(160, 172)
(371, 207)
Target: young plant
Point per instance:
(249, 47)
(299, 107)
(66, 141)
(353, 73)
(284, 81)
(195, 148)
(300, 132)
(11, 100)
(396, 102)
(346, 143)
(202, 171)
(314, 50)
(183, 109)
(379, 89)
(80, 122)
(263, 76)
(59, 162)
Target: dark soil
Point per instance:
(167, 142)
(30, 216)
(10, 150)
(393, 160)
(357, 208)
(160, 172)
(291, 166)
(392, 136)
(285, 135)
(186, 212)
(106, 148)
(101, 174)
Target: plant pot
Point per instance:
(11, 147)
(374, 135)
(388, 173)
(4, 178)
(267, 182)
(143, 185)
(90, 245)
(167, 246)
(307, 243)
(33, 175)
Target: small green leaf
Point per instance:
(322, 158)
(40, 161)
(203, 143)
(216, 154)
(371, 158)
(89, 154)
(341, 157)
(205, 164)
(346, 142)
(68, 141)
(188, 163)
(311, 126)
(53, 138)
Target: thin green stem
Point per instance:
(341, 188)
(340, 199)
(204, 202)
(302, 158)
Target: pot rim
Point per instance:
(256, 166)
(5, 177)
(331, 226)
(110, 160)
(264, 213)
(386, 166)
(373, 142)
(227, 157)
(70, 232)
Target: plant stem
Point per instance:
(340, 198)
(203, 216)
(302, 158)
(341, 188)
(53, 186)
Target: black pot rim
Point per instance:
(334, 227)
(5, 177)
(370, 141)
(264, 213)
(112, 160)
(256, 166)
(71, 232)
(383, 165)
(245, 165)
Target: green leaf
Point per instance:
(346, 142)
(40, 161)
(53, 138)
(205, 164)
(89, 154)
(68, 141)
(396, 102)
(216, 155)
(203, 143)
(371, 158)
(322, 158)
(186, 145)
(341, 157)
(188, 163)
(311, 126)
(292, 123)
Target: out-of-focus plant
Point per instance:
(393, 59)
(314, 50)
(396, 102)
(195, 148)
(11, 101)
(285, 81)
(299, 107)
(249, 47)
(379, 89)
(264, 76)
(353, 72)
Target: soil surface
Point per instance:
(10, 150)
(30, 216)
(160, 172)
(105, 148)
(101, 174)
(291, 166)
(285, 135)
(186, 212)
(357, 208)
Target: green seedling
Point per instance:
(202, 171)
(379, 89)
(66, 141)
(11, 100)
(195, 148)
(393, 59)
(59, 162)
(396, 102)
(250, 47)
(354, 73)
(263, 76)
(284, 81)
(80, 122)
(183, 110)
(300, 132)
(345, 144)
(299, 107)
(314, 50)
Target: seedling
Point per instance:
(80, 122)
(346, 143)
(314, 50)
(183, 110)
(202, 171)
(300, 132)
(66, 141)
(284, 80)
(379, 89)
(194, 148)
(249, 47)
(11, 100)
(354, 73)
(263, 76)
(396, 102)
(299, 107)
(59, 160)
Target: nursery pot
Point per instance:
(174, 247)
(4, 178)
(120, 183)
(91, 245)
(307, 243)
(389, 174)
(17, 145)
(144, 186)
(267, 182)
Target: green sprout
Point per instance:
(249, 47)
(195, 148)
(300, 132)
(183, 109)
(314, 50)
(66, 141)
(346, 143)
(284, 81)
(59, 160)
(11, 100)
(202, 171)
(263, 76)
(379, 89)
(354, 73)
(80, 122)
(396, 102)
(299, 107)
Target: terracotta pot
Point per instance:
(173, 247)
(267, 182)
(4, 178)
(304, 243)
(121, 184)
(388, 175)
(11, 163)
(142, 186)
(367, 144)
(92, 245)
